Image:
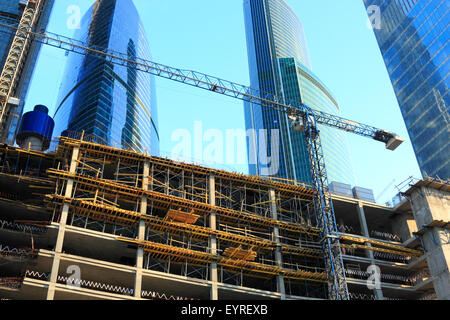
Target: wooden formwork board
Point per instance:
(182, 216)
(240, 253)
(394, 247)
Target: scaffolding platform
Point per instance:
(183, 217)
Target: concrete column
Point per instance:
(62, 226)
(364, 227)
(432, 204)
(436, 241)
(276, 237)
(362, 220)
(365, 232)
(139, 262)
(214, 295)
(404, 225)
(141, 233)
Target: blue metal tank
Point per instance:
(36, 129)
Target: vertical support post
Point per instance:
(141, 233)
(324, 212)
(62, 226)
(213, 241)
(276, 238)
(362, 220)
(365, 232)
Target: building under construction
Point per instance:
(88, 221)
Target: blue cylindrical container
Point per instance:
(36, 129)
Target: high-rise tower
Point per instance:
(279, 64)
(115, 103)
(18, 58)
(413, 37)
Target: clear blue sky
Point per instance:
(209, 36)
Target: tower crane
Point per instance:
(15, 63)
(303, 118)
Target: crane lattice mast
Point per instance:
(15, 63)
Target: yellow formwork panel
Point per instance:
(164, 202)
(398, 248)
(163, 251)
(112, 214)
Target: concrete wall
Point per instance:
(430, 205)
(404, 225)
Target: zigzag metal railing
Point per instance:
(385, 235)
(391, 256)
(367, 296)
(103, 286)
(24, 254)
(21, 227)
(158, 296)
(81, 283)
(95, 285)
(37, 275)
(410, 280)
(361, 296)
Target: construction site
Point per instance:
(88, 221)
(85, 220)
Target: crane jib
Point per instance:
(218, 85)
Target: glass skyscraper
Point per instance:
(279, 64)
(10, 14)
(413, 36)
(115, 103)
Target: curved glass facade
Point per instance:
(115, 103)
(287, 32)
(414, 41)
(334, 143)
(279, 64)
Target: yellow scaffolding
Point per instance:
(111, 214)
(180, 255)
(182, 214)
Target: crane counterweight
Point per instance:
(394, 142)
